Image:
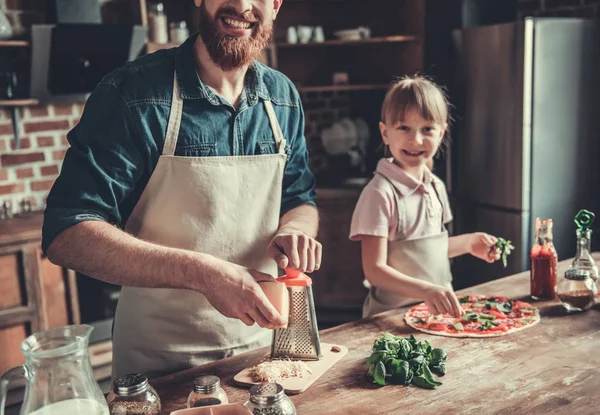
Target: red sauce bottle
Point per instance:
(544, 261)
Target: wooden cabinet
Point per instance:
(34, 293)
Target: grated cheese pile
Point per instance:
(273, 370)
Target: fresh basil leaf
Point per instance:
(421, 382)
(464, 300)
(401, 375)
(419, 320)
(416, 362)
(412, 340)
(504, 306)
(429, 376)
(470, 317)
(458, 327)
(486, 317)
(375, 357)
(438, 355)
(426, 347)
(379, 374)
(438, 368)
(487, 324)
(404, 349)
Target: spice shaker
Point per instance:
(158, 29)
(179, 32)
(269, 399)
(133, 395)
(577, 290)
(206, 391)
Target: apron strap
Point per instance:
(174, 120)
(441, 202)
(399, 199)
(279, 139)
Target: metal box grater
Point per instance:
(300, 339)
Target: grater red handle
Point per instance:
(294, 278)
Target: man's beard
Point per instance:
(232, 52)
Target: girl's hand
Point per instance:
(442, 300)
(483, 246)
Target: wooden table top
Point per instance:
(553, 367)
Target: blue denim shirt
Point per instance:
(116, 144)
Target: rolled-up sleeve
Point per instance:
(99, 170)
(298, 179)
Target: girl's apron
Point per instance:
(425, 258)
(227, 207)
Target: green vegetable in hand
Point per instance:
(405, 360)
(505, 247)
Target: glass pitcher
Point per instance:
(58, 373)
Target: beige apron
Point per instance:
(224, 206)
(424, 258)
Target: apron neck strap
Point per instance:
(174, 120)
(277, 133)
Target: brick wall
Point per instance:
(559, 8)
(30, 171)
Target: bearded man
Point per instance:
(186, 183)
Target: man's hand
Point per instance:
(234, 291)
(294, 249)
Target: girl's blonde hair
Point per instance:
(415, 92)
(419, 93)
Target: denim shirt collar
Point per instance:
(192, 87)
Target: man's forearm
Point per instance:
(303, 218)
(102, 251)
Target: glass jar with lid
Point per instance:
(269, 399)
(206, 391)
(577, 290)
(133, 395)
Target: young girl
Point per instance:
(401, 214)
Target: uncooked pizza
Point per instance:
(485, 316)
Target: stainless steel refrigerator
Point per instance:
(527, 136)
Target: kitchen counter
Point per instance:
(553, 367)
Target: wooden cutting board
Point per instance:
(332, 353)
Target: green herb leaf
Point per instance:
(438, 368)
(379, 374)
(402, 373)
(486, 317)
(437, 355)
(458, 327)
(405, 349)
(487, 324)
(375, 357)
(422, 382)
(470, 317)
(505, 247)
(429, 376)
(463, 300)
(419, 320)
(505, 306)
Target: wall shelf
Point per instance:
(324, 88)
(18, 102)
(13, 43)
(340, 42)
